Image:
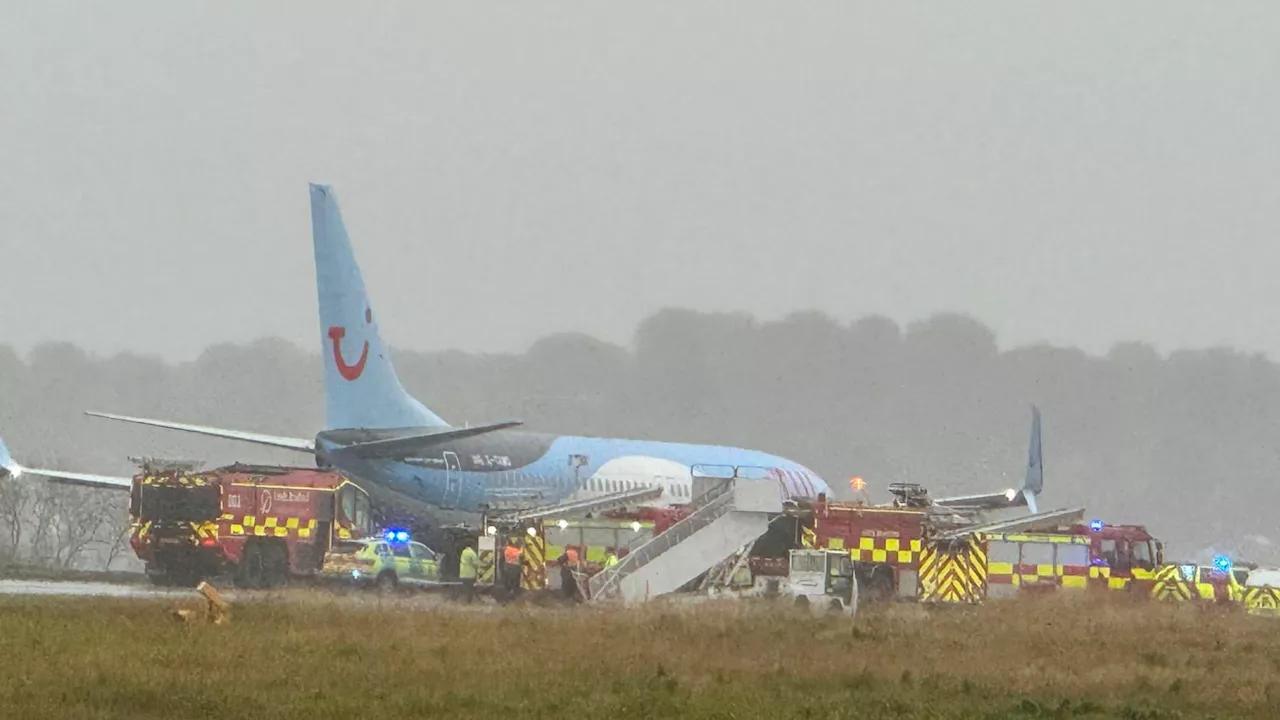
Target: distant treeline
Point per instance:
(1184, 443)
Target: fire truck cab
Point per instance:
(1121, 548)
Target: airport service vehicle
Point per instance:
(384, 562)
(262, 524)
(821, 580)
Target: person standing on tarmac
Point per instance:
(511, 567)
(568, 564)
(610, 559)
(468, 566)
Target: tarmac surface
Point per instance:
(87, 589)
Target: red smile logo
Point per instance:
(336, 334)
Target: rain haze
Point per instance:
(1063, 173)
(971, 208)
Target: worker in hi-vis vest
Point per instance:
(468, 568)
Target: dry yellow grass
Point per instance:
(314, 656)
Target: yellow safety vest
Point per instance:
(611, 560)
(467, 564)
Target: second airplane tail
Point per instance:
(361, 387)
(1034, 483)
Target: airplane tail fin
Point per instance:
(360, 384)
(1034, 483)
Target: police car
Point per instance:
(384, 562)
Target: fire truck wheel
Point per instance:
(275, 564)
(251, 572)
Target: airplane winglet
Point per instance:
(9, 468)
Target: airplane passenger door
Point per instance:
(452, 480)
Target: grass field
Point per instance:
(313, 656)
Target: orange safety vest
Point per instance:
(511, 554)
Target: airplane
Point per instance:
(378, 433)
(1033, 484)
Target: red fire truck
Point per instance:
(920, 553)
(1083, 556)
(260, 524)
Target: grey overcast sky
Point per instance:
(1079, 172)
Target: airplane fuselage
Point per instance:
(546, 469)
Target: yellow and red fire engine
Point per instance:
(261, 524)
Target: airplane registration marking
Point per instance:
(491, 461)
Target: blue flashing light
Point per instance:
(1095, 525)
(395, 535)
(1222, 564)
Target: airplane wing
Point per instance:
(1006, 498)
(10, 468)
(1031, 486)
(279, 441)
(408, 446)
(110, 482)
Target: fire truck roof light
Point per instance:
(1095, 525)
(1222, 563)
(533, 532)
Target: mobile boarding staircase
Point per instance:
(729, 512)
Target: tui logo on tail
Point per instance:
(336, 333)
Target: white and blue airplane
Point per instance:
(375, 432)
